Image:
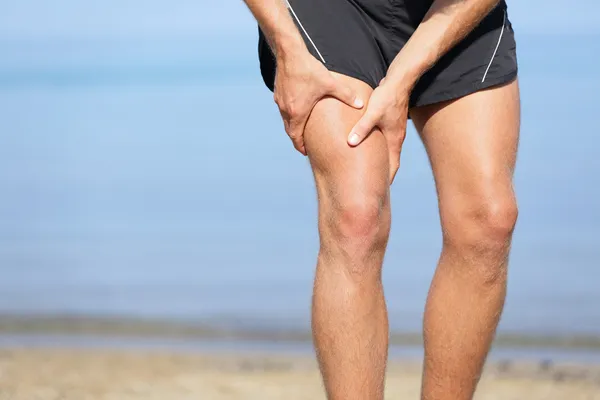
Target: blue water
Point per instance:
(146, 178)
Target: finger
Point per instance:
(394, 167)
(296, 133)
(363, 128)
(294, 129)
(394, 154)
(345, 94)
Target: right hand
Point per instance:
(300, 82)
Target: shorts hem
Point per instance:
(351, 74)
(465, 90)
(331, 68)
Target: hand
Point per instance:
(387, 110)
(300, 82)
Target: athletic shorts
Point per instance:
(360, 38)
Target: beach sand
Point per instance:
(56, 374)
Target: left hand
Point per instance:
(387, 110)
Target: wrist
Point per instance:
(288, 46)
(406, 70)
(403, 78)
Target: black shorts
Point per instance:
(360, 38)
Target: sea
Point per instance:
(151, 179)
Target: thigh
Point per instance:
(472, 146)
(346, 177)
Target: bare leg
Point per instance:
(472, 145)
(349, 316)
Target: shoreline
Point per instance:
(102, 358)
(144, 328)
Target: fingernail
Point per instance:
(358, 102)
(353, 140)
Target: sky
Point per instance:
(38, 34)
(79, 151)
(43, 19)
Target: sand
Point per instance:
(56, 374)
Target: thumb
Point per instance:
(345, 94)
(363, 128)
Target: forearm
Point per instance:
(446, 23)
(277, 25)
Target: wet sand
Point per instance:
(99, 370)
(63, 374)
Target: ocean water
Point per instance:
(149, 179)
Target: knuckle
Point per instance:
(368, 123)
(330, 85)
(292, 110)
(362, 127)
(362, 130)
(292, 131)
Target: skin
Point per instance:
(478, 211)
(446, 23)
(349, 317)
(355, 154)
(301, 80)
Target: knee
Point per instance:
(358, 219)
(482, 228)
(357, 228)
(496, 219)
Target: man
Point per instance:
(346, 75)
